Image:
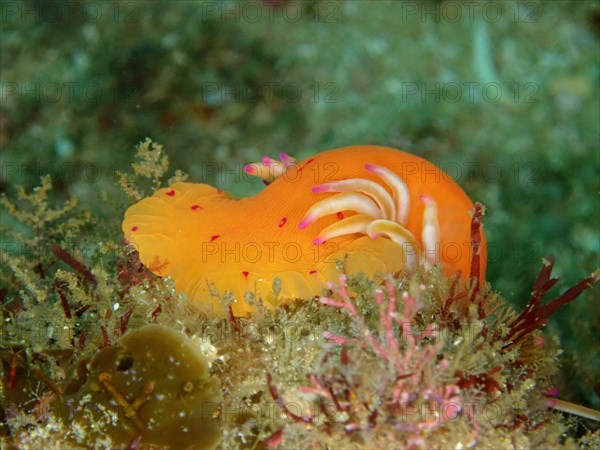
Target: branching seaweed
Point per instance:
(151, 167)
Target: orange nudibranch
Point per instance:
(354, 209)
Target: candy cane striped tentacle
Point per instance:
(353, 224)
(347, 201)
(399, 187)
(370, 188)
(400, 236)
(378, 214)
(430, 235)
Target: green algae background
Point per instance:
(502, 95)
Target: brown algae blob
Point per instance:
(154, 387)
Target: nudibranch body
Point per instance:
(355, 209)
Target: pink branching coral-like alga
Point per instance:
(408, 387)
(410, 356)
(415, 369)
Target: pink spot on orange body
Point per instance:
(340, 215)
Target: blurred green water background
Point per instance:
(503, 95)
